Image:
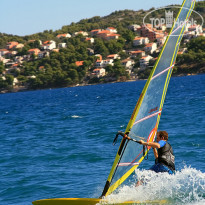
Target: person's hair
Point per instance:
(163, 134)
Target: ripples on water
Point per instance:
(58, 143)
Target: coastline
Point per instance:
(24, 89)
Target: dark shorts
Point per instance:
(161, 168)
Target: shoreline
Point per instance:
(24, 89)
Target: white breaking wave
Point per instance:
(76, 116)
(185, 187)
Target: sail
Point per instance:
(146, 115)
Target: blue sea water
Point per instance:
(58, 143)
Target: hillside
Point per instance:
(76, 61)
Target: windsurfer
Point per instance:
(164, 157)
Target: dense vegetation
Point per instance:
(59, 69)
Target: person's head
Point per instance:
(162, 135)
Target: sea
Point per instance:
(57, 143)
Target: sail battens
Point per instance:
(147, 117)
(162, 72)
(128, 164)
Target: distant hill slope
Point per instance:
(118, 19)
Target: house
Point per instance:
(34, 51)
(11, 44)
(127, 63)
(99, 63)
(108, 62)
(140, 41)
(94, 32)
(150, 47)
(111, 29)
(15, 82)
(113, 56)
(65, 35)
(81, 32)
(104, 63)
(160, 40)
(99, 56)
(91, 40)
(43, 54)
(134, 27)
(103, 34)
(139, 53)
(112, 36)
(19, 46)
(144, 61)
(62, 45)
(90, 51)
(98, 72)
(79, 63)
(48, 45)
(3, 52)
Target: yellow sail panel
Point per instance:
(145, 118)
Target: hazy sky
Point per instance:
(24, 17)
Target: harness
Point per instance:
(166, 156)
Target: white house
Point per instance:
(104, 63)
(150, 47)
(140, 41)
(144, 61)
(3, 52)
(138, 53)
(91, 40)
(81, 32)
(64, 35)
(113, 56)
(62, 45)
(98, 72)
(127, 63)
(49, 45)
(111, 29)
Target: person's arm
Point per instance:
(151, 144)
(155, 153)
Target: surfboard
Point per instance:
(91, 201)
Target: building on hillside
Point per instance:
(49, 45)
(81, 33)
(128, 63)
(62, 45)
(113, 56)
(135, 54)
(43, 54)
(144, 61)
(90, 51)
(94, 32)
(112, 36)
(103, 34)
(140, 41)
(64, 35)
(79, 63)
(104, 63)
(19, 46)
(111, 29)
(134, 27)
(3, 52)
(34, 51)
(11, 44)
(91, 40)
(99, 56)
(98, 72)
(150, 47)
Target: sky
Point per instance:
(25, 17)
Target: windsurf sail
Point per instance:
(146, 115)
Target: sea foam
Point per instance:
(184, 187)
